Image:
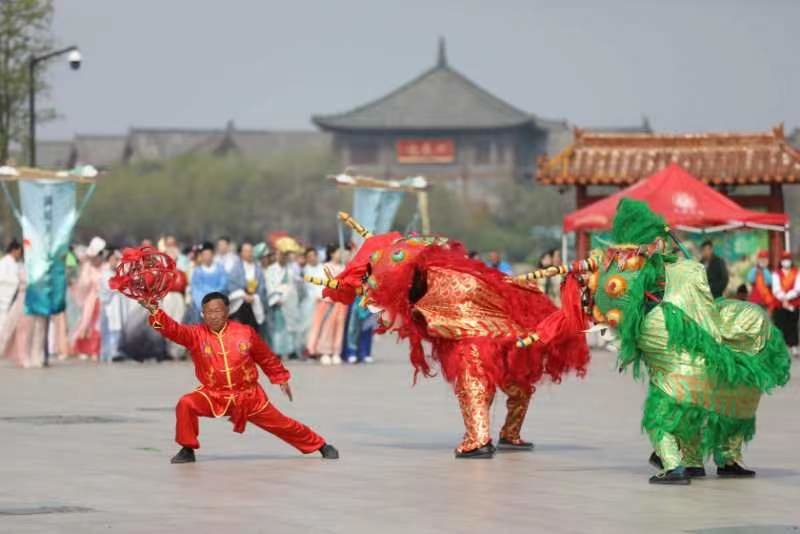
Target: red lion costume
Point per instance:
(472, 315)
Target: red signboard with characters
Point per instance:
(425, 151)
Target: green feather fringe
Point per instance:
(634, 311)
(765, 370)
(635, 223)
(665, 415)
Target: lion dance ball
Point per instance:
(144, 274)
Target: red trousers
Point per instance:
(194, 405)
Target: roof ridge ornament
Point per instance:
(441, 60)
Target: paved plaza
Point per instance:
(86, 448)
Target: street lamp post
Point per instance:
(74, 62)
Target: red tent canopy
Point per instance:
(683, 200)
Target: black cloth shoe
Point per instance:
(696, 472)
(485, 452)
(508, 445)
(329, 452)
(184, 456)
(655, 461)
(692, 472)
(675, 476)
(735, 471)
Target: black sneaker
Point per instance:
(735, 471)
(696, 472)
(520, 445)
(655, 461)
(692, 472)
(329, 452)
(675, 476)
(184, 456)
(485, 452)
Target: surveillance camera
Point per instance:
(75, 59)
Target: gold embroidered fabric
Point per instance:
(475, 398)
(519, 398)
(668, 450)
(686, 379)
(458, 305)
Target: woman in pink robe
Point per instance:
(85, 339)
(326, 334)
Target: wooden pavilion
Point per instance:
(751, 168)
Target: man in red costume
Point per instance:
(225, 354)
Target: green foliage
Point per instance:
(24, 32)
(201, 196)
(502, 220)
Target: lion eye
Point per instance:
(616, 286)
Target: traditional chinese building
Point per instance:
(444, 126)
(751, 168)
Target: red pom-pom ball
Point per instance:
(144, 274)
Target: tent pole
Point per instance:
(564, 248)
(787, 239)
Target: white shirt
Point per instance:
(777, 288)
(312, 290)
(9, 280)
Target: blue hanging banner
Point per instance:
(375, 209)
(48, 215)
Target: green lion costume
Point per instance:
(708, 362)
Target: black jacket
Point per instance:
(717, 274)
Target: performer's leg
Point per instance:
(292, 432)
(730, 452)
(519, 398)
(663, 422)
(668, 450)
(475, 397)
(187, 427)
(729, 458)
(691, 452)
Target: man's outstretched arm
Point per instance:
(169, 327)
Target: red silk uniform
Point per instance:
(225, 364)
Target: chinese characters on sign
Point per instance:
(425, 151)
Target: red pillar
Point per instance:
(581, 237)
(776, 240)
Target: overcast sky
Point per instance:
(688, 65)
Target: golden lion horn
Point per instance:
(330, 283)
(355, 225)
(580, 266)
(528, 340)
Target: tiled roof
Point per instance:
(55, 155)
(101, 151)
(716, 158)
(440, 98)
(262, 144)
(158, 144)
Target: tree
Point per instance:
(24, 33)
(202, 196)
